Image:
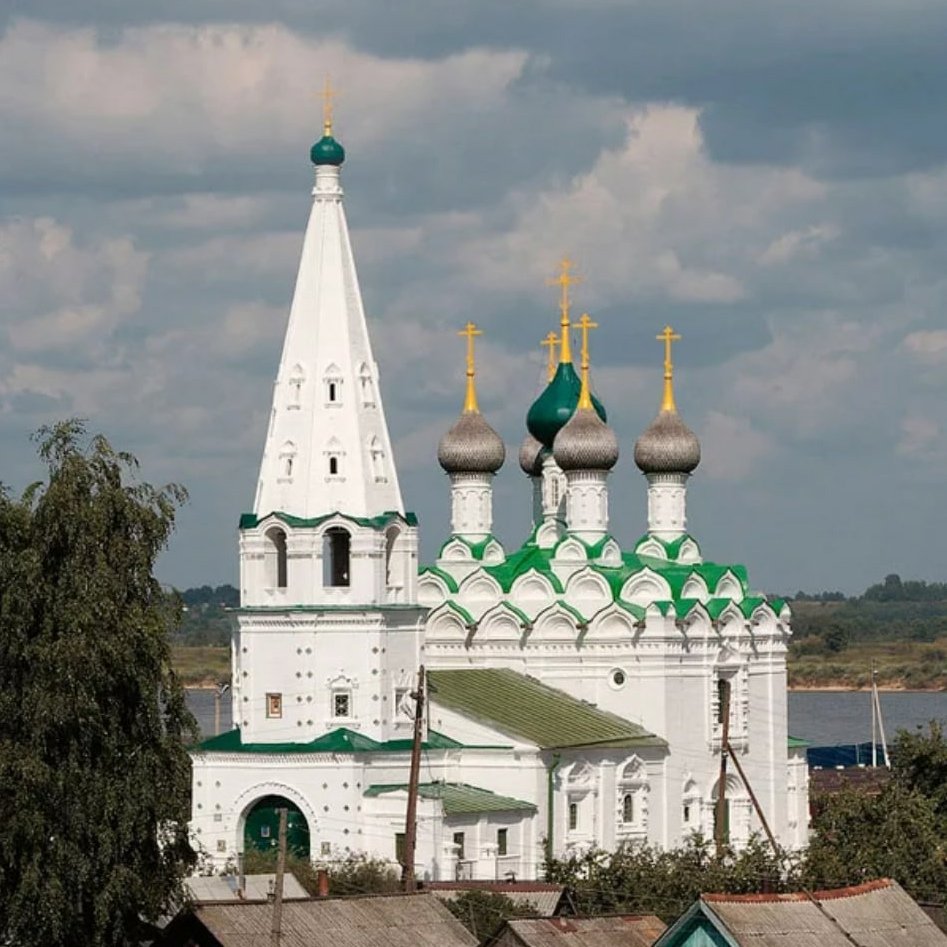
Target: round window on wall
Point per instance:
(617, 678)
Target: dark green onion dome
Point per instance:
(531, 456)
(667, 446)
(553, 408)
(471, 446)
(585, 442)
(327, 151)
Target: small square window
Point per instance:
(221, 845)
(341, 705)
(501, 841)
(325, 849)
(264, 831)
(274, 705)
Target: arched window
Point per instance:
(376, 454)
(336, 553)
(275, 558)
(287, 456)
(628, 808)
(633, 791)
(391, 538)
(366, 389)
(296, 379)
(333, 385)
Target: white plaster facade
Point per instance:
(335, 622)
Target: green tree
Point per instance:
(896, 834)
(919, 762)
(482, 912)
(94, 774)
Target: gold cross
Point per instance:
(327, 95)
(550, 342)
(585, 325)
(564, 280)
(668, 337)
(470, 332)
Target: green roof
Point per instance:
(553, 408)
(445, 577)
(477, 549)
(526, 709)
(458, 798)
(341, 740)
(251, 520)
(796, 744)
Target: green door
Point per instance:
(261, 831)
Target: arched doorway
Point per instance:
(261, 829)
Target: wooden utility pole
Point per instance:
(278, 887)
(720, 813)
(408, 881)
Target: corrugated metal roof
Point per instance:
(416, 920)
(458, 798)
(876, 914)
(617, 931)
(255, 888)
(529, 710)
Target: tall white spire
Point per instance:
(327, 447)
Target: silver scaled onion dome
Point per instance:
(531, 456)
(668, 445)
(586, 442)
(471, 446)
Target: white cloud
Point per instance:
(178, 94)
(928, 346)
(732, 448)
(920, 436)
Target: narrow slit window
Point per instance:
(628, 808)
(501, 841)
(333, 466)
(333, 391)
(573, 816)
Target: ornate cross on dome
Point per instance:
(585, 325)
(327, 95)
(550, 343)
(564, 280)
(668, 337)
(470, 331)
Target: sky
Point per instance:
(768, 178)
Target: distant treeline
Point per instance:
(207, 619)
(892, 589)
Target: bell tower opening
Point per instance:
(336, 556)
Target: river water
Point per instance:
(823, 718)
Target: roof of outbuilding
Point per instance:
(526, 709)
(543, 896)
(874, 914)
(393, 920)
(458, 798)
(622, 930)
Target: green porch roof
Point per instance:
(795, 743)
(341, 740)
(251, 520)
(458, 798)
(528, 710)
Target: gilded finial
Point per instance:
(327, 95)
(564, 280)
(585, 325)
(470, 331)
(550, 343)
(668, 336)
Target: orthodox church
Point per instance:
(572, 683)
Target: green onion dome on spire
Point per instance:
(553, 408)
(327, 151)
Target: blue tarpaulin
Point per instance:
(844, 754)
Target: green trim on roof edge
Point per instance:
(251, 520)
(446, 577)
(341, 740)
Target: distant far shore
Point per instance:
(841, 688)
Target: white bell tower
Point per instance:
(329, 625)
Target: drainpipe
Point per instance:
(550, 817)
